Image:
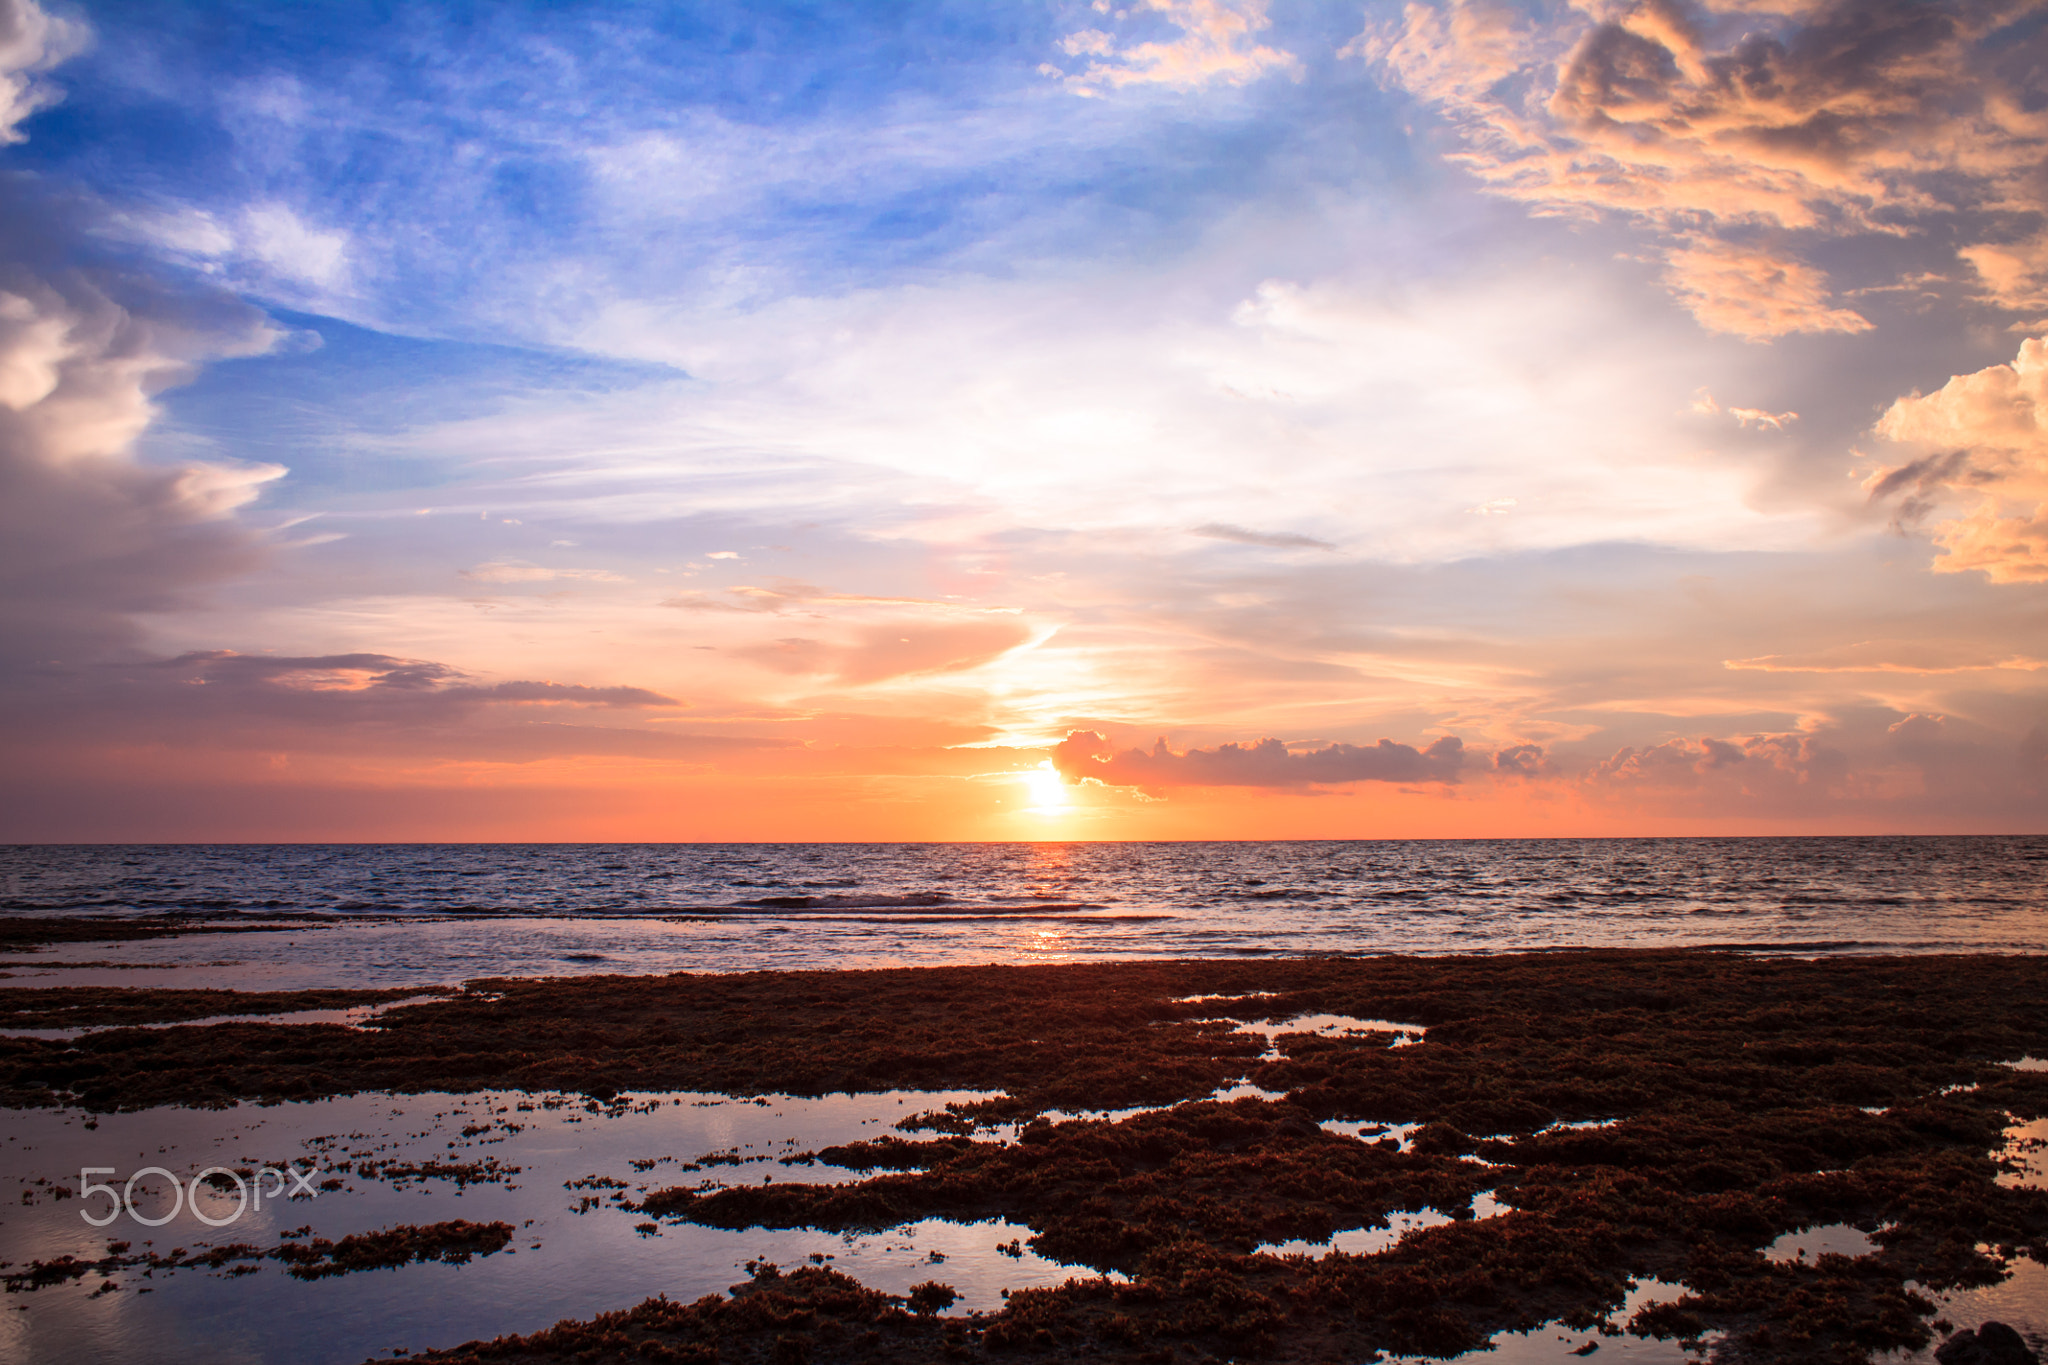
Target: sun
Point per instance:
(1048, 790)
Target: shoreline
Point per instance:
(282, 954)
(1637, 1114)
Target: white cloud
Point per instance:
(1323, 412)
(89, 534)
(267, 248)
(294, 250)
(31, 42)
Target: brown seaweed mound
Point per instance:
(80, 1007)
(810, 1314)
(316, 1259)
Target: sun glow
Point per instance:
(1048, 790)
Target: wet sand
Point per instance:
(1575, 1125)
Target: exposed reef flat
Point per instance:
(1622, 1116)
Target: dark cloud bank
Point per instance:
(1085, 754)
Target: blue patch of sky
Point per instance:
(460, 146)
(320, 409)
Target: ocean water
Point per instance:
(427, 914)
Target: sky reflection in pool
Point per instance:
(562, 1263)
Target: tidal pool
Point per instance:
(1372, 1241)
(555, 1167)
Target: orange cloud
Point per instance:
(1215, 44)
(1742, 145)
(1758, 418)
(1748, 292)
(1893, 656)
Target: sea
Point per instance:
(442, 913)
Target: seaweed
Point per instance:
(1652, 1113)
(111, 1006)
(455, 1242)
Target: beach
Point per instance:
(1752, 1154)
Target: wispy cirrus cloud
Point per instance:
(1922, 657)
(519, 571)
(1273, 540)
(790, 594)
(880, 653)
(268, 247)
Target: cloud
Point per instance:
(1703, 405)
(31, 42)
(1753, 293)
(1882, 764)
(1278, 540)
(1085, 754)
(269, 248)
(1215, 44)
(1797, 759)
(519, 571)
(882, 652)
(1746, 144)
(293, 249)
(341, 687)
(89, 533)
(789, 594)
(1989, 434)
(1115, 413)
(207, 703)
(1924, 657)
(1758, 418)
(2013, 274)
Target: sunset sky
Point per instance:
(1022, 420)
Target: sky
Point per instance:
(977, 419)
